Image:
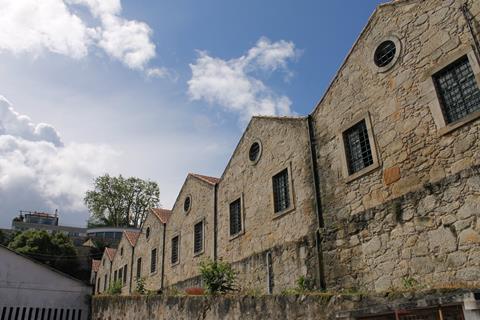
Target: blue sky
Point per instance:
(157, 100)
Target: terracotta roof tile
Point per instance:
(95, 265)
(162, 214)
(110, 253)
(207, 179)
(132, 237)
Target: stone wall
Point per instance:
(143, 250)
(182, 223)
(428, 238)
(120, 260)
(284, 145)
(322, 306)
(104, 273)
(366, 247)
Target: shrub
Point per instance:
(140, 286)
(115, 288)
(305, 284)
(217, 276)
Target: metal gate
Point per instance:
(438, 313)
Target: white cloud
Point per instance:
(233, 84)
(31, 26)
(39, 172)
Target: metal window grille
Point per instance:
(125, 268)
(458, 90)
(358, 150)
(153, 261)
(175, 243)
(281, 196)
(235, 217)
(139, 268)
(385, 53)
(254, 151)
(198, 238)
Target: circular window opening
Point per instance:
(254, 152)
(385, 53)
(186, 204)
(147, 233)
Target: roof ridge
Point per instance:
(208, 179)
(162, 214)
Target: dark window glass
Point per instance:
(120, 275)
(121, 251)
(235, 217)
(198, 237)
(385, 53)
(175, 244)
(105, 283)
(281, 195)
(186, 204)
(147, 233)
(358, 150)
(125, 272)
(115, 275)
(254, 151)
(153, 261)
(98, 285)
(139, 268)
(458, 90)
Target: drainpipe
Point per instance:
(471, 28)
(215, 222)
(131, 270)
(163, 256)
(318, 204)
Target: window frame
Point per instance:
(432, 94)
(125, 272)
(202, 250)
(139, 268)
(151, 261)
(242, 218)
(260, 151)
(373, 147)
(399, 50)
(177, 262)
(291, 192)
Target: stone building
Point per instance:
(148, 259)
(104, 273)
(377, 189)
(122, 263)
(190, 230)
(266, 207)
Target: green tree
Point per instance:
(218, 277)
(55, 250)
(120, 202)
(3, 238)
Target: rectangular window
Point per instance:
(139, 268)
(98, 284)
(281, 195)
(198, 238)
(120, 274)
(125, 268)
(458, 90)
(235, 217)
(175, 249)
(153, 261)
(105, 283)
(357, 147)
(115, 276)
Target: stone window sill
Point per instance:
(459, 123)
(199, 253)
(362, 172)
(280, 214)
(175, 264)
(235, 236)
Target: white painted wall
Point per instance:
(28, 285)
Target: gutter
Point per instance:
(318, 204)
(215, 223)
(131, 270)
(471, 28)
(163, 257)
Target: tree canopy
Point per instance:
(56, 249)
(121, 202)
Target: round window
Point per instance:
(254, 152)
(385, 53)
(147, 233)
(187, 203)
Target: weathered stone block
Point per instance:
(391, 175)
